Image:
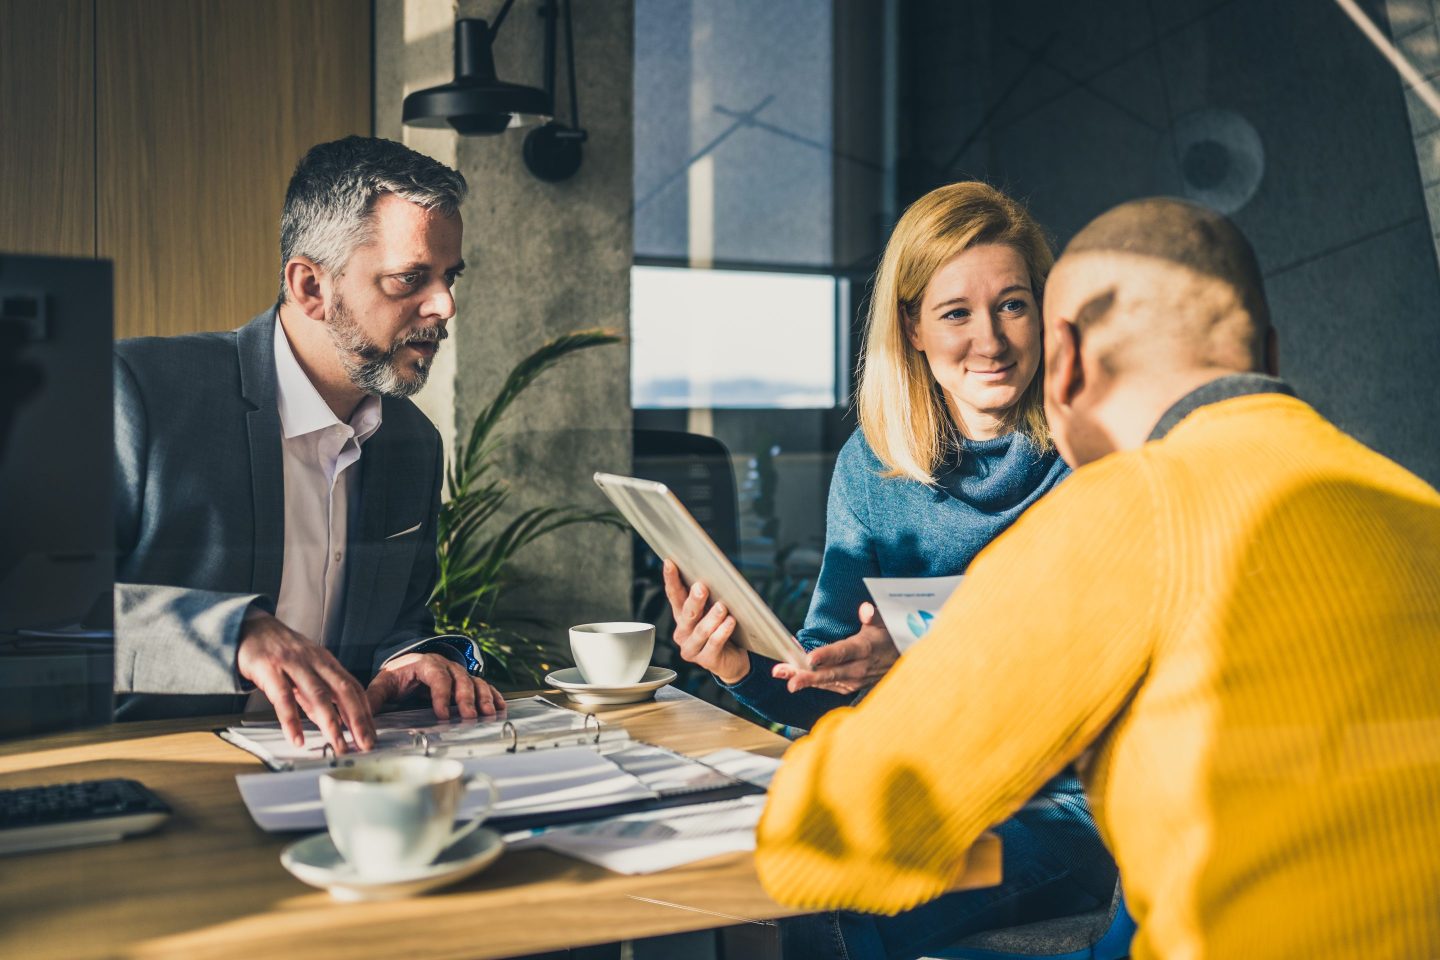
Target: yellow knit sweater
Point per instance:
(1242, 623)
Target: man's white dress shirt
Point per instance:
(321, 459)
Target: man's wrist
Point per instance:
(453, 647)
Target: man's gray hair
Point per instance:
(331, 197)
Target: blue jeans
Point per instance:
(1054, 866)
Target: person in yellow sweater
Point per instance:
(1229, 614)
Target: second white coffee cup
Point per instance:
(391, 815)
(612, 654)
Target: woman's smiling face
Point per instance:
(979, 328)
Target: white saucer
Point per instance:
(315, 861)
(597, 694)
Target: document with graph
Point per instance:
(909, 605)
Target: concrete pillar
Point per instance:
(542, 259)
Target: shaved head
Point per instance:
(1165, 282)
(1151, 297)
(1186, 235)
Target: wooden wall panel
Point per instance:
(204, 107)
(47, 127)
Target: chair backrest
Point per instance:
(696, 468)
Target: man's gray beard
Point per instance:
(372, 368)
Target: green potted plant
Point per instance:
(475, 547)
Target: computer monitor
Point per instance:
(57, 530)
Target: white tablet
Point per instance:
(664, 523)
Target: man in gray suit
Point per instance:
(277, 492)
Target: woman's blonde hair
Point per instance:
(902, 409)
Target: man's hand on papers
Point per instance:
(703, 637)
(446, 680)
(296, 674)
(848, 665)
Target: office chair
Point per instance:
(697, 470)
(1098, 935)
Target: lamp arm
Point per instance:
(500, 18)
(570, 67)
(547, 10)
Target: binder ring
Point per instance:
(420, 741)
(332, 759)
(588, 717)
(514, 737)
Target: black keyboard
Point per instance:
(71, 814)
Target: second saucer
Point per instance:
(573, 684)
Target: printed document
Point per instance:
(909, 605)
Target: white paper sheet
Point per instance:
(743, 765)
(909, 605)
(566, 778)
(657, 839)
(666, 772)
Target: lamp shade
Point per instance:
(476, 102)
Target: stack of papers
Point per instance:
(656, 840)
(529, 782)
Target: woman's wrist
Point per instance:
(732, 677)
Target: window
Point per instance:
(732, 338)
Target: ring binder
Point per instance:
(541, 741)
(531, 725)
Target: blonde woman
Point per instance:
(952, 448)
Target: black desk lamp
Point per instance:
(477, 103)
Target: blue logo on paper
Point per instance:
(919, 622)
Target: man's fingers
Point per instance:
(277, 690)
(442, 689)
(353, 702)
(316, 699)
(499, 699)
(380, 692)
(465, 697)
(484, 695)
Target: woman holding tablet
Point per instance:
(952, 448)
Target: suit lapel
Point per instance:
(255, 344)
(367, 533)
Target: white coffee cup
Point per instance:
(612, 654)
(392, 815)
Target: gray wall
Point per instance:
(542, 259)
(1076, 105)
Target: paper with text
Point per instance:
(909, 605)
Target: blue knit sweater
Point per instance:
(895, 527)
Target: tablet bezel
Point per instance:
(663, 522)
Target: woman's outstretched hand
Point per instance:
(848, 665)
(703, 630)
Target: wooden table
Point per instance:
(210, 884)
